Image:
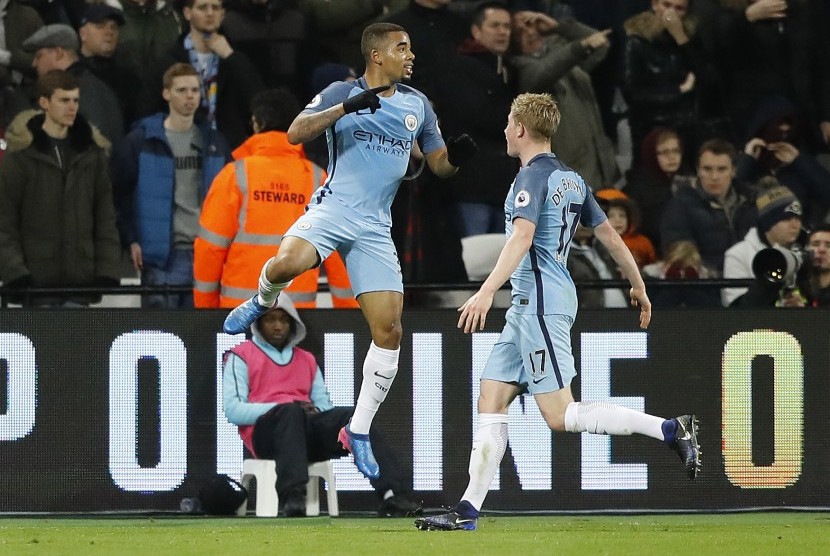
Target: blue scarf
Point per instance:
(209, 76)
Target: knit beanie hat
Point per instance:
(774, 205)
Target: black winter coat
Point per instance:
(694, 216)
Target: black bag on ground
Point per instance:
(222, 496)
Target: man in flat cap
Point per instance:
(56, 47)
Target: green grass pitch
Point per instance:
(754, 534)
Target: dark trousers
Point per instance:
(294, 438)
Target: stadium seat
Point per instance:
(480, 253)
(267, 500)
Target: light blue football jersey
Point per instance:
(369, 153)
(555, 198)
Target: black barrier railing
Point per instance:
(26, 295)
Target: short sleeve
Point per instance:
(332, 95)
(529, 193)
(592, 214)
(430, 137)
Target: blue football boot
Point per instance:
(241, 318)
(361, 448)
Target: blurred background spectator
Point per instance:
(162, 171)
(557, 56)
(436, 31)
(715, 211)
(774, 47)
(99, 33)
(665, 72)
(56, 47)
(660, 171)
(57, 222)
(229, 79)
(18, 22)
(682, 262)
(776, 150)
(815, 284)
(474, 97)
(778, 226)
(151, 28)
(624, 217)
(272, 35)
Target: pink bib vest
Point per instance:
(270, 382)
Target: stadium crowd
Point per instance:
(131, 129)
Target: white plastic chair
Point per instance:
(267, 499)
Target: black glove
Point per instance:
(367, 99)
(460, 149)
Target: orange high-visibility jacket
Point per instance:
(250, 205)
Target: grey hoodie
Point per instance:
(284, 302)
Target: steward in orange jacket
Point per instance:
(250, 204)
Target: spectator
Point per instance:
(228, 78)
(162, 172)
(337, 26)
(272, 36)
(475, 97)
(779, 225)
(664, 71)
(590, 260)
(56, 47)
(151, 29)
(606, 77)
(624, 217)
(659, 172)
(816, 282)
(57, 223)
(775, 47)
(557, 56)
(714, 211)
(275, 393)
(776, 150)
(18, 22)
(99, 33)
(682, 262)
(433, 23)
(251, 204)
(66, 12)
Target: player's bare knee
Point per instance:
(489, 404)
(389, 336)
(285, 267)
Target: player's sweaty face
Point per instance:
(398, 57)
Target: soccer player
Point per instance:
(545, 204)
(371, 125)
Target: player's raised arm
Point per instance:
(622, 256)
(309, 125)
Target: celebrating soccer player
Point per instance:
(545, 204)
(371, 126)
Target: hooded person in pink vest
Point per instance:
(275, 393)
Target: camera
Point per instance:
(778, 266)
